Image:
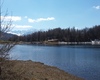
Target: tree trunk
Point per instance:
(0, 70)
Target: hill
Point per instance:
(6, 36)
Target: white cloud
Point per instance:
(40, 19)
(13, 18)
(31, 20)
(21, 27)
(18, 27)
(96, 7)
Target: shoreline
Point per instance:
(29, 70)
(57, 43)
(53, 43)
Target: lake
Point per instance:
(79, 60)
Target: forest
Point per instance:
(66, 35)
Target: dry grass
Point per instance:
(28, 70)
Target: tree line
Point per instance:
(67, 35)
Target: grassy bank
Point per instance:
(29, 70)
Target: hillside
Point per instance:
(6, 36)
(66, 35)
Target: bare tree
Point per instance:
(5, 26)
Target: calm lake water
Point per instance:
(80, 60)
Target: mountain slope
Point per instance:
(6, 36)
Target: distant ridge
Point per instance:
(6, 36)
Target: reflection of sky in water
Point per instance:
(83, 61)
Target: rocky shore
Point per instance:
(29, 70)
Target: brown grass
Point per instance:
(28, 70)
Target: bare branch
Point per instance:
(4, 49)
(5, 26)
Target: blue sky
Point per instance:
(48, 14)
